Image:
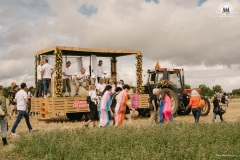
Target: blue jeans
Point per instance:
(46, 84)
(3, 124)
(196, 113)
(19, 117)
(160, 110)
(215, 115)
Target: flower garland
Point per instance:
(58, 68)
(139, 72)
(164, 83)
(37, 58)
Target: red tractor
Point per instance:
(173, 79)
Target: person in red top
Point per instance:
(194, 100)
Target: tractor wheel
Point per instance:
(206, 108)
(74, 116)
(174, 101)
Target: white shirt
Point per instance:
(93, 95)
(101, 87)
(30, 95)
(66, 71)
(120, 85)
(47, 68)
(39, 74)
(80, 75)
(99, 71)
(20, 97)
(113, 88)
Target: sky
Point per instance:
(189, 34)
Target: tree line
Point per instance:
(209, 92)
(205, 90)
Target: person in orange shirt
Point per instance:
(194, 100)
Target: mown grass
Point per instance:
(173, 141)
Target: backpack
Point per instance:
(223, 99)
(201, 103)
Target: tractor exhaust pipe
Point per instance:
(183, 78)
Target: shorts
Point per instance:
(12, 107)
(83, 84)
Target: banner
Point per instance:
(80, 104)
(135, 100)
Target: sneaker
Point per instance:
(14, 134)
(33, 130)
(48, 95)
(45, 96)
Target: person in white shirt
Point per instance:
(120, 83)
(40, 81)
(47, 71)
(100, 86)
(99, 70)
(80, 80)
(93, 116)
(66, 81)
(22, 100)
(111, 82)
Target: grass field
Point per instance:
(135, 140)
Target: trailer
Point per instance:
(75, 107)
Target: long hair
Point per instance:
(165, 92)
(107, 88)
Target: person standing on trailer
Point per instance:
(40, 80)
(66, 79)
(99, 70)
(47, 72)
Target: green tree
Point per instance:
(236, 92)
(206, 91)
(217, 88)
(5, 92)
(186, 86)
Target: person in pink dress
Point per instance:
(167, 109)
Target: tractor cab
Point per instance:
(165, 78)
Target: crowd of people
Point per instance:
(107, 101)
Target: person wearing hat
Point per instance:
(3, 116)
(66, 81)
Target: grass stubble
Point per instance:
(182, 139)
(168, 141)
